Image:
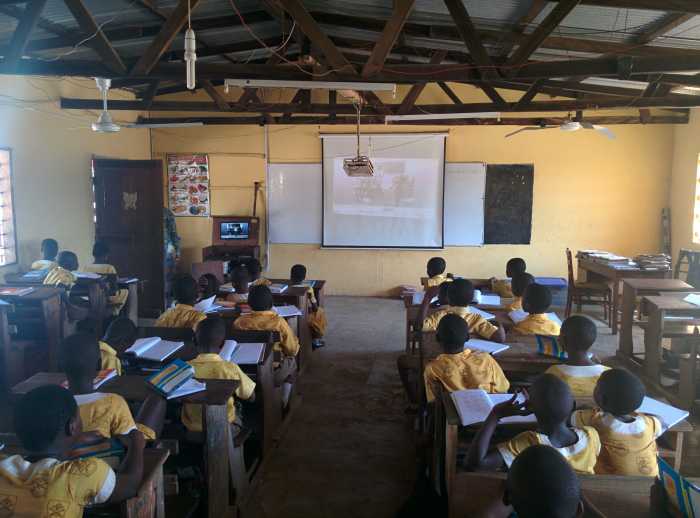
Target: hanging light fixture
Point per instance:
(190, 50)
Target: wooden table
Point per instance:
(633, 289)
(150, 498)
(214, 402)
(588, 271)
(318, 288)
(299, 297)
(131, 308)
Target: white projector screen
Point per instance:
(401, 206)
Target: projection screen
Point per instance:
(401, 206)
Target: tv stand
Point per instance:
(233, 251)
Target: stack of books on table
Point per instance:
(409, 290)
(607, 258)
(653, 261)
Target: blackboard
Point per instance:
(508, 204)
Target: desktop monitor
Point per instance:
(234, 230)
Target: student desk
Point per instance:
(215, 412)
(299, 297)
(588, 271)
(131, 308)
(317, 287)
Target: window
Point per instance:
(8, 234)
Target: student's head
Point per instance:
(209, 285)
(47, 416)
(536, 299)
(618, 392)
(260, 298)
(49, 247)
(452, 333)
(185, 290)
(254, 268)
(436, 266)
(442, 294)
(552, 399)
(577, 334)
(210, 335)
(239, 279)
(515, 265)
(298, 273)
(67, 260)
(122, 333)
(100, 251)
(78, 356)
(460, 292)
(542, 484)
(519, 282)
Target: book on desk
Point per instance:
(175, 380)
(153, 348)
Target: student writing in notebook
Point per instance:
(503, 286)
(120, 335)
(518, 284)
(186, 293)
(255, 271)
(536, 301)
(239, 280)
(106, 414)
(100, 251)
(436, 269)
(317, 316)
(49, 251)
(576, 337)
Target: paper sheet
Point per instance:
(670, 415)
(473, 406)
(693, 298)
(248, 354)
(227, 350)
(483, 346)
(87, 275)
(477, 311)
(205, 304)
(287, 311)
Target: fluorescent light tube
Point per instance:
(310, 85)
(429, 116)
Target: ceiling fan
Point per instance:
(105, 123)
(569, 125)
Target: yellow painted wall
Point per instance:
(51, 164)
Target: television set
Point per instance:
(234, 230)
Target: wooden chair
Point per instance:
(582, 293)
(691, 260)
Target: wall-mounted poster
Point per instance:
(188, 185)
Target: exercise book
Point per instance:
(153, 348)
(482, 346)
(474, 406)
(519, 315)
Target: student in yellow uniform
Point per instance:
(441, 301)
(503, 286)
(61, 277)
(519, 282)
(576, 337)
(186, 293)
(628, 437)
(263, 318)
(255, 271)
(107, 414)
(436, 269)
(44, 482)
(209, 339)
(536, 301)
(460, 293)
(49, 249)
(120, 335)
(100, 251)
(239, 280)
(317, 316)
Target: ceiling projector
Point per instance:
(358, 166)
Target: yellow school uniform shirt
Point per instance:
(212, 366)
(181, 315)
(103, 269)
(503, 288)
(516, 304)
(435, 281)
(52, 488)
(269, 321)
(237, 297)
(464, 371)
(582, 379)
(60, 276)
(629, 449)
(120, 296)
(261, 280)
(44, 264)
(537, 324)
(477, 323)
(108, 414)
(318, 322)
(109, 358)
(581, 455)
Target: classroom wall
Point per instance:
(51, 164)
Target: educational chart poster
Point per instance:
(188, 185)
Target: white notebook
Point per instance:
(519, 315)
(477, 311)
(482, 346)
(287, 311)
(486, 300)
(671, 415)
(248, 354)
(190, 387)
(205, 304)
(693, 298)
(418, 297)
(153, 348)
(87, 275)
(474, 406)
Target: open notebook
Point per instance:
(519, 315)
(287, 311)
(486, 299)
(153, 348)
(242, 354)
(671, 415)
(474, 406)
(482, 346)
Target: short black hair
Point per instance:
(543, 484)
(623, 391)
(437, 265)
(539, 298)
(519, 282)
(123, 328)
(99, 249)
(78, 354)
(444, 286)
(552, 398)
(579, 331)
(210, 333)
(185, 288)
(65, 258)
(240, 275)
(42, 414)
(460, 292)
(516, 265)
(260, 298)
(49, 245)
(298, 273)
(453, 331)
(253, 266)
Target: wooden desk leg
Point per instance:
(629, 303)
(143, 504)
(131, 308)
(679, 451)
(267, 388)
(616, 302)
(652, 343)
(97, 302)
(12, 369)
(451, 437)
(215, 437)
(52, 333)
(319, 297)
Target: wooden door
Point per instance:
(129, 217)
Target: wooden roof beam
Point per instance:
(392, 29)
(149, 95)
(536, 7)
(666, 25)
(530, 94)
(13, 12)
(412, 96)
(221, 103)
(23, 31)
(450, 93)
(284, 119)
(491, 92)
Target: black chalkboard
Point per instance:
(508, 204)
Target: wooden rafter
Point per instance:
(218, 99)
(269, 119)
(372, 100)
(666, 25)
(530, 94)
(284, 119)
(526, 19)
(450, 93)
(498, 101)
(23, 31)
(275, 10)
(149, 95)
(412, 96)
(392, 29)
(53, 28)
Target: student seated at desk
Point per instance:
(239, 280)
(108, 415)
(518, 284)
(262, 318)
(576, 337)
(628, 437)
(503, 286)
(120, 335)
(49, 249)
(536, 300)
(61, 277)
(435, 270)
(459, 294)
(551, 400)
(44, 482)
(208, 286)
(317, 317)
(441, 301)
(100, 251)
(209, 339)
(255, 271)
(186, 293)
(457, 368)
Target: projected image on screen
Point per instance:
(398, 189)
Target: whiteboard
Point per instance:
(294, 203)
(464, 203)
